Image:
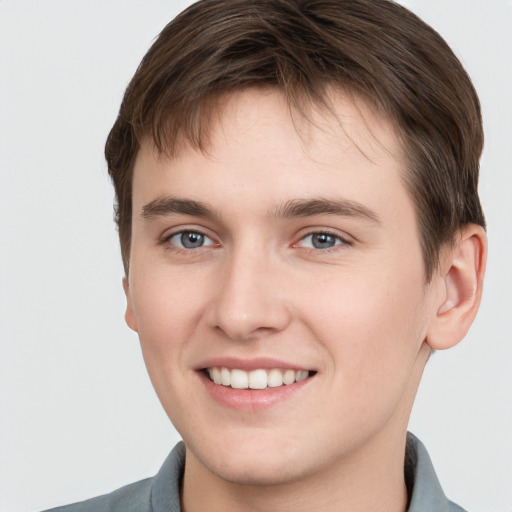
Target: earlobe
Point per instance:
(461, 284)
(129, 314)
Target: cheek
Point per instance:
(371, 323)
(166, 310)
(166, 318)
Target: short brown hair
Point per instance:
(373, 48)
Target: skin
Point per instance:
(360, 314)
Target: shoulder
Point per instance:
(150, 495)
(453, 507)
(131, 498)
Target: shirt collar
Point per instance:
(425, 491)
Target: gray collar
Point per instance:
(423, 485)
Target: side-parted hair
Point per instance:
(374, 49)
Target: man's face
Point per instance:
(288, 251)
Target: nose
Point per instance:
(248, 301)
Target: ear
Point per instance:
(460, 280)
(129, 314)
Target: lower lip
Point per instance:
(251, 400)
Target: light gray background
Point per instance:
(78, 416)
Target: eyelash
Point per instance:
(340, 241)
(166, 241)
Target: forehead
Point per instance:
(256, 135)
(338, 117)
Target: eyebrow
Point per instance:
(167, 205)
(322, 206)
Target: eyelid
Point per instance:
(342, 237)
(166, 238)
(343, 240)
(205, 239)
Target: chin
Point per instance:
(263, 472)
(256, 462)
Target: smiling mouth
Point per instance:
(256, 379)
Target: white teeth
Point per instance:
(239, 379)
(215, 375)
(275, 378)
(258, 379)
(225, 376)
(289, 377)
(255, 379)
(301, 375)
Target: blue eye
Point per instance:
(190, 240)
(321, 241)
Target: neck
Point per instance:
(371, 479)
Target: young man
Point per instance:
(297, 205)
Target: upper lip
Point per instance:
(250, 364)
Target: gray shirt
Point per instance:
(162, 492)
